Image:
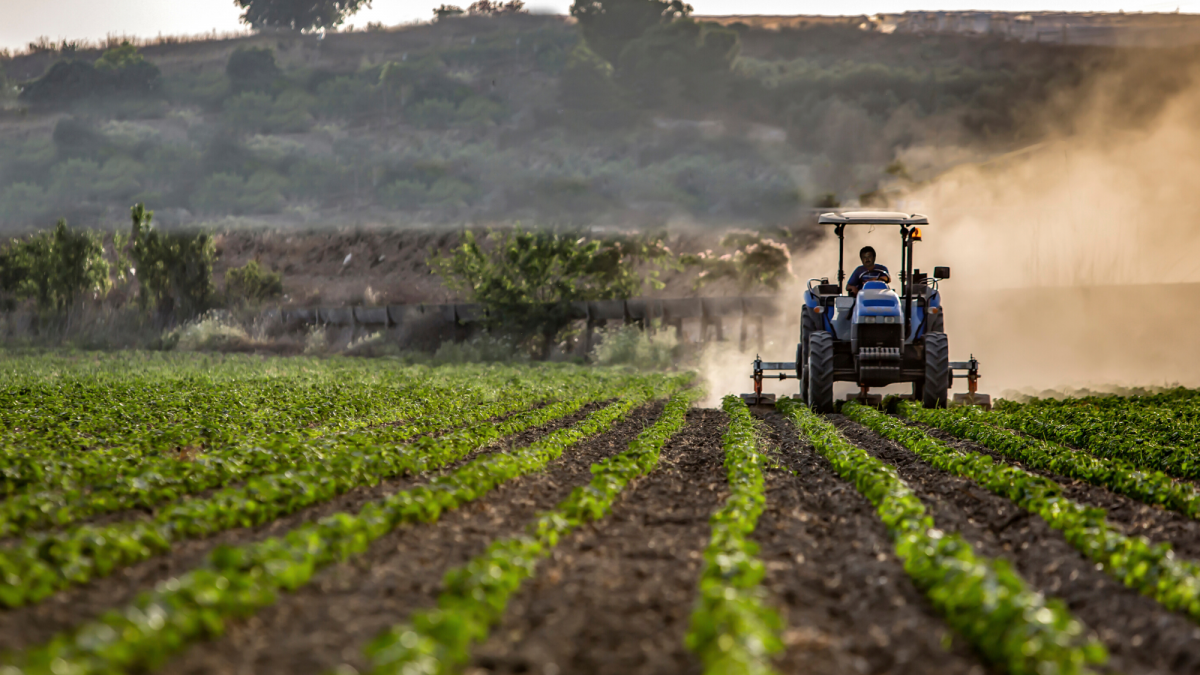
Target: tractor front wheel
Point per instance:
(934, 390)
(820, 372)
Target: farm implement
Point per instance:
(875, 337)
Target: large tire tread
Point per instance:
(820, 372)
(935, 391)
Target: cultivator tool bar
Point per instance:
(972, 397)
(760, 368)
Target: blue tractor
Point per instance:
(877, 338)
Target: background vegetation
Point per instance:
(636, 115)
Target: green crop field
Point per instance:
(182, 513)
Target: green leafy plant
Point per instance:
(984, 599)
(1151, 569)
(526, 280)
(439, 640)
(252, 283)
(236, 581)
(732, 629)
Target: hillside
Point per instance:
(478, 120)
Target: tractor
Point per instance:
(877, 338)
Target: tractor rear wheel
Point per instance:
(820, 372)
(809, 324)
(937, 371)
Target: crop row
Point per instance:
(475, 595)
(46, 562)
(146, 414)
(48, 464)
(167, 479)
(236, 581)
(732, 630)
(1149, 487)
(983, 599)
(1112, 434)
(1150, 569)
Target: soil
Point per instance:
(1141, 636)
(847, 602)
(74, 606)
(1130, 516)
(615, 597)
(328, 622)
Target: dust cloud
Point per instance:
(1076, 261)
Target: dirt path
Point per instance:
(847, 601)
(26, 626)
(328, 621)
(615, 598)
(1134, 518)
(1141, 636)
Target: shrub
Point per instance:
(252, 69)
(449, 191)
(629, 345)
(214, 331)
(404, 195)
(432, 113)
(74, 181)
(22, 203)
(252, 283)
(174, 271)
(118, 72)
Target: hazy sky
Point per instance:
(22, 21)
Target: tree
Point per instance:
(527, 280)
(252, 283)
(754, 261)
(120, 71)
(298, 15)
(447, 11)
(174, 271)
(496, 7)
(54, 268)
(610, 25)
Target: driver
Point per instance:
(867, 271)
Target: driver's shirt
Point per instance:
(862, 275)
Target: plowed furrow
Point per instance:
(1140, 634)
(615, 598)
(1134, 518)
(849, 605)
(328, 621)
(35, 624)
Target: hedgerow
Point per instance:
(983, 599)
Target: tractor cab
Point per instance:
(879, 337)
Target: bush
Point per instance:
(118, 72)
(345, 97)
(255, 112)
(432, 113)
(227, 193)
(484, 348)
(252, 283)
(22, 203)
(629, 345)
(404, 195)
(252, 69)
(214, 331)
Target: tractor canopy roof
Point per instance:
(872, 218)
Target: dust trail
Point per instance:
(1076, 261)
